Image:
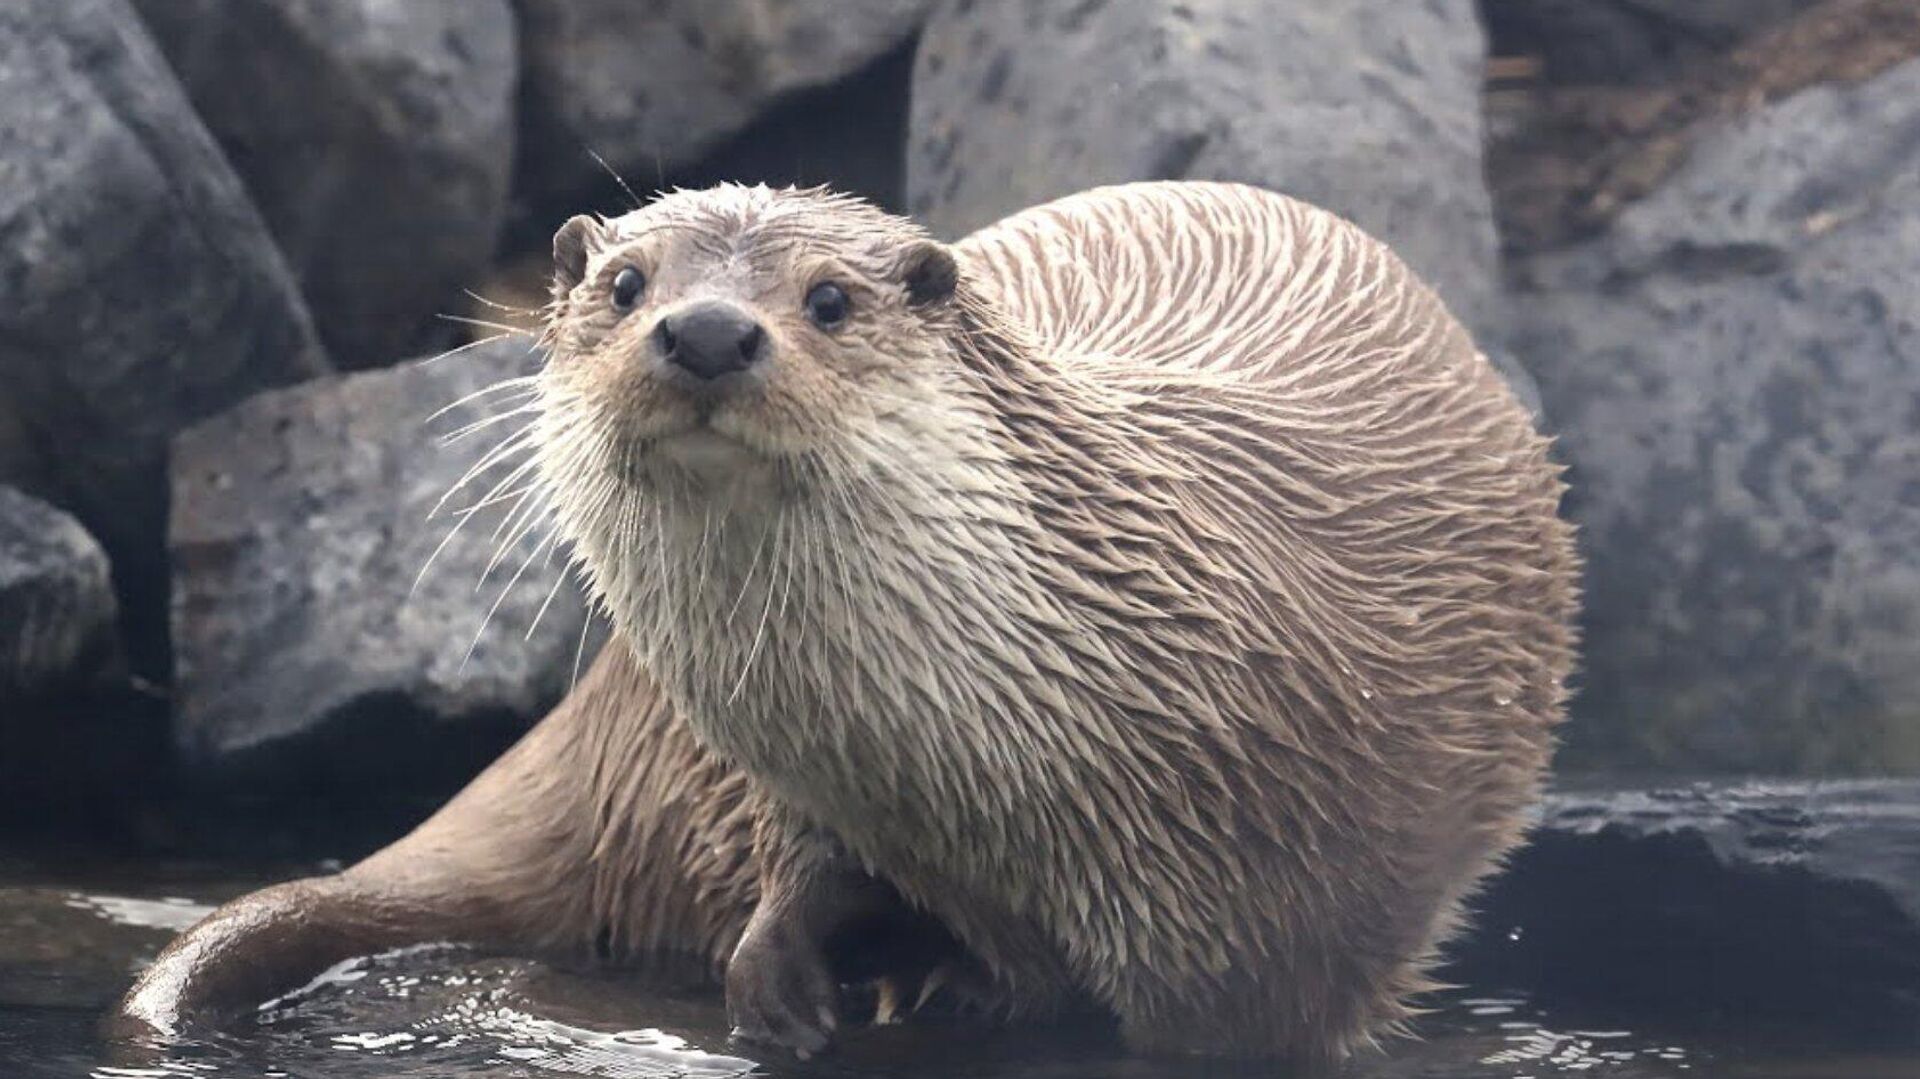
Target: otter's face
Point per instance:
(715, 337)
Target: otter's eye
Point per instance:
(827, 305)
(628, 284)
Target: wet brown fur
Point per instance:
(1178, 611)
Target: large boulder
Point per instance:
(376, 138)
(307, 656)
(1758, 899)
(139, 290)
(652, 91)
(1734, 368)
(1369, 108)
(57, 613)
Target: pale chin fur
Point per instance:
(710, 458)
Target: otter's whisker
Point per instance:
(766, 613)
(617, 178)
(505, 496)
(551, 537)
(517, 441)
(746, 582)
(497, 305)
(482, 424)
(458, 349)
(580, 649)
(526, 383)
(463, 517)
(505, 329)
(700, 558)
(527, 516)
(558, 580)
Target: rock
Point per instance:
(306, 658)
(652, 93)
(139, 290)
(1564, 159)
(846, 135)
(79, 742)
(375, 137)
(1371, 109)
(1761, 899)
(57, 613)
(1734, 368)
(1621, 41)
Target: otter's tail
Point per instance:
(266, 944)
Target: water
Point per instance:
(69, 944)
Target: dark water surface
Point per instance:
(70, 940)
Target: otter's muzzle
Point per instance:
(710, 339)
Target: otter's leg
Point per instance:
(824, 921)
(781, 987)
(606, 828)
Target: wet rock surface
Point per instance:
(1734, 371)
(655, 93)
(1370, 109)
(307, 657)
(375, 138)
(1781, 899)
(139, 290)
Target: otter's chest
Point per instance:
(882, 690)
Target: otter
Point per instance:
(1156, 592)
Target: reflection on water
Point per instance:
(442, 1012)
(449, 1013)
(171, 913)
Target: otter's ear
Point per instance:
(571, 245)
(929, 273)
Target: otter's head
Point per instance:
(738, 339)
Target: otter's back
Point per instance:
(1203, 277)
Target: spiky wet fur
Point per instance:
(1179, 611)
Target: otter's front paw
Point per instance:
(780, 990)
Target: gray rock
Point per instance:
(139, 290)
(305, 654)
(847, 135)
(654, 91)
(1762, 899)
(376, 138)
(57, 612)
(1371, 109)
(1621, 41)
(1735, 372)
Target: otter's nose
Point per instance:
(709, 339)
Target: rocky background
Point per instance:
(230, 234)
(235, 593)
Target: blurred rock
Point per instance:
(139, 290)
(1620, 41)
(847, 135)
(306, 659)
(375, 137)
(1782, 900)
(78, 741)
(652, 93)
(1371, 109)
(57, 614)
(1735, 371)
(1563, 159)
